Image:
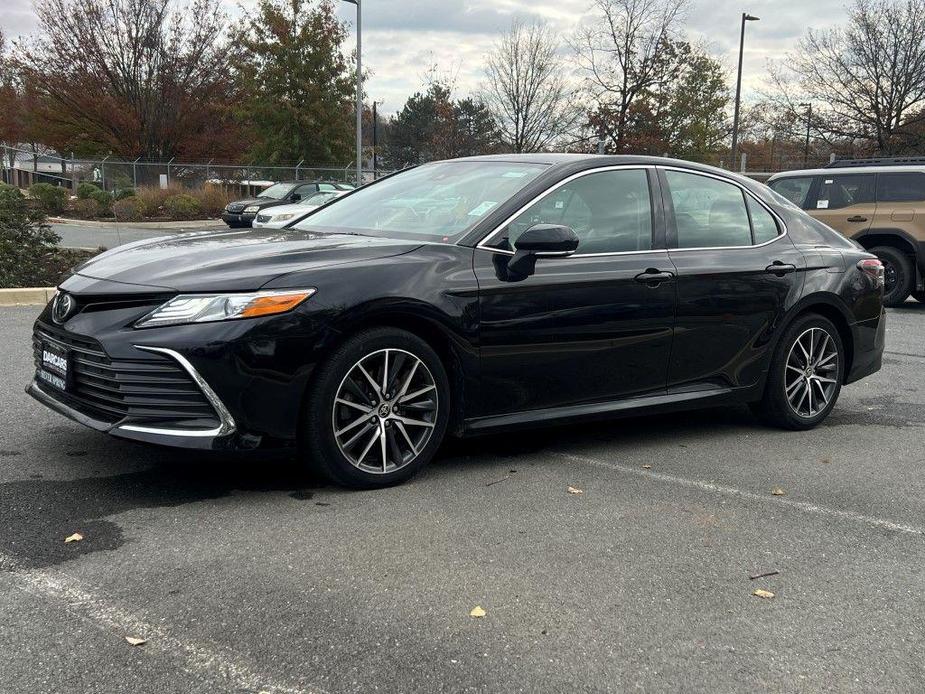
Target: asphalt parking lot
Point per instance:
(248, 575)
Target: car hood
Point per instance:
(293, 208)
(233, 260)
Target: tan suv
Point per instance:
(880, 203)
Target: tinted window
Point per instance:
(836, 192)
(708, 212)
(610, 212)
(793, 189)
(900, 187)
(764, 227)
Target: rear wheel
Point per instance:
(806, 375)
(378, 409)
(898, 275)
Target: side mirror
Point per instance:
(538, 241)
(295, 197)
(547, 239)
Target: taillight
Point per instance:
(873, 268)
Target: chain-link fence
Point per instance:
(23, 167)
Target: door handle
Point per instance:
(653, 277)
(857, 218)
(780, 268)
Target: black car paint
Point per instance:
(581, 337)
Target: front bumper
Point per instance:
(244, 380)
(236, 219)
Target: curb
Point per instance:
(26, 296)
(93, 224)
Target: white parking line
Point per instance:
(210, 661)
(712, 488)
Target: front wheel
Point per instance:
(806, 375)
(898, 275)
(378, 409)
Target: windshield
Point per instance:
(438, 202)
(318, 198)
(277, 191)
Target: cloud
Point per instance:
(402, 38)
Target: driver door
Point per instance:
(582, 329)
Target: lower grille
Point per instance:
(150, 390)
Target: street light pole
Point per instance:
(359, 90)
(735, 119)
(809, 122)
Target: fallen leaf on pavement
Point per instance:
(136, 642)
(477, 611)
(766, 594)
(777, 491)
(575, 490)
(646, 467)
(76, 537)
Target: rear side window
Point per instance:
(900, 187)
(796, 190)
(708, 212)
(764, 227)
(836, 192)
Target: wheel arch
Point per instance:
(829, 306)
(450, 348)
(895, 238)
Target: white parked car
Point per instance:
(281, 215)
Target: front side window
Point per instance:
(434, 202)
(708, 213)
(837, 192)
(796, 190)
(900, 187)
(610, 211)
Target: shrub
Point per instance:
(85, 209)
(154, 197)
(122, 193)
(26, 242)
(52, 198)
(86, 190)
(103, 201)
(212, 199)
(128, 209)
(183, 206)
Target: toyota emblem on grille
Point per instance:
(63, 307)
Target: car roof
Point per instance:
(561, 159)
(847, 170)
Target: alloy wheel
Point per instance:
(811, 372)
(385, 411)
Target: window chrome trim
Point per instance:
(780, 222)
(226, 421)
(617, 167)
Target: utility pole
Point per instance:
(375, 140)
(809, 122)
(735, 118)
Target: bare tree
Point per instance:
(867, 80)
(527, 90)
(620, 48)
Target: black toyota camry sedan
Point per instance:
(462, 297)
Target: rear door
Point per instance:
(900, 197)
(737, 273)
(846, 202)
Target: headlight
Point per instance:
(252, 208)
(283, 217)
(203, 308)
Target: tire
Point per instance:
(775, 407)
(895, 262)
(346, 419)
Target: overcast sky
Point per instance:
(401, 38)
